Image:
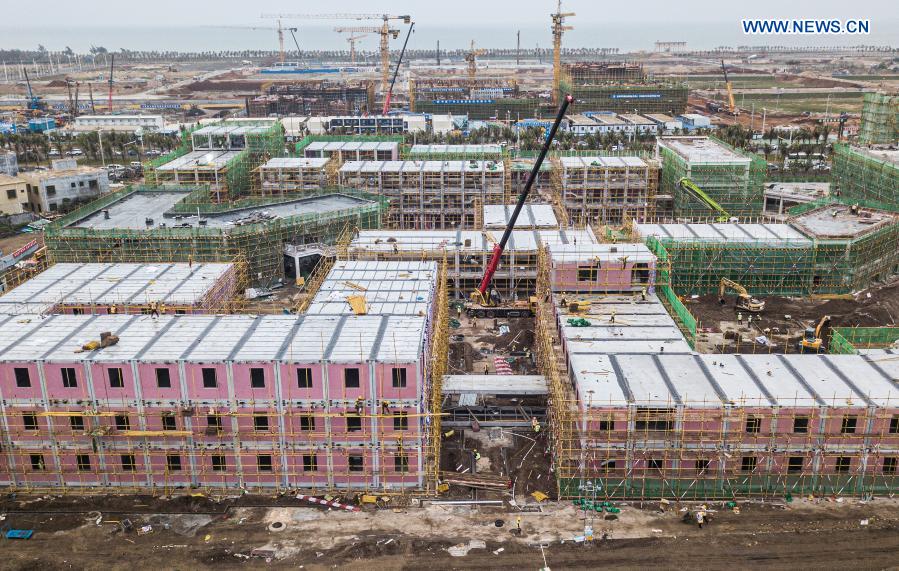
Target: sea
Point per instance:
(627, 37)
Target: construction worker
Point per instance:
(459, 312)
(518, 524)
(612, 317)
(385, 407)
(700, 518)
(360, 404)
(643, 293)
(154, 309)
(486, 369)
(535, 424)
(113, 309)
(740, 317)
(477, 455)
(750, 320)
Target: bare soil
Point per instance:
(819, 533)
(874, 307)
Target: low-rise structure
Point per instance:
(13, 195)
(63, 187)
(123, 123)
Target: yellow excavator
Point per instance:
(745, 302)
(812, 342)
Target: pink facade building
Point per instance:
(323, 400)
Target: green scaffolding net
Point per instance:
(848, 340)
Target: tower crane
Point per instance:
(352, 40)
(279, 29)
(471, 57)
(558, 29)
(384, 31)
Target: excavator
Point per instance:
(812, 342)
(484, 302)
(693, 190)
(745, 302)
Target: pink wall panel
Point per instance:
(290, 388)
(56, 389)
(8, 381)
(337, 386)
(243, 388)
(196, 390)
(102, 385)
(384, 382)
(149, 386)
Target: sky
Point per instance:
(488, 13)
(629, 26)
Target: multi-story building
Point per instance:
(63, 187)
(13, 195)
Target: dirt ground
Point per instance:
(189, 533)
(13, 242)
(721, 331)
(475, 343)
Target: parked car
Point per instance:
(136, 165)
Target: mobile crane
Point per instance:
(745, 302)
(484, 303)
(812, 342)
(731, 105)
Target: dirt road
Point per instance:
(200, 534)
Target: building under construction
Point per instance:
(98, 289)
(588, 73)
(330, 400)
(733, 179)
(307, 98)
(478, 99)
(220, 157)
(880, 119)
(868, 176)
(143, 225)
(635, 413)
(827, 249)
(605, 190)
(621, 87)
(430, 194)
(467, 254)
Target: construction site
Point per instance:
(509, 306)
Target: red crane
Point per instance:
(479, 296)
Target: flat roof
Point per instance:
(837, 221)
(799, 191)
(886, 155)
(351, 145)
(117, 284)
(456, 149)
(200, 160)
(464, 240)
(423, 166)
(531, 216)
(132, 211)
(602, 162)
(495, 384)
(702, 150)
(231, 129)
(768, 234)
(389, 288)
(296, 163)
(567, 253)
(215, 338)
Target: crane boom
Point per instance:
(691, 188)
(396, 71)
(498, 248)
(730, 91)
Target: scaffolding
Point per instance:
(605, 190)
(293, 176)
(746, 436)
(220, 157)
(848, 340)
(869, 177)
(313, 97)
(430, 194)
(880, 120)
(253, 237)
(734, 179)
(486, 152)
